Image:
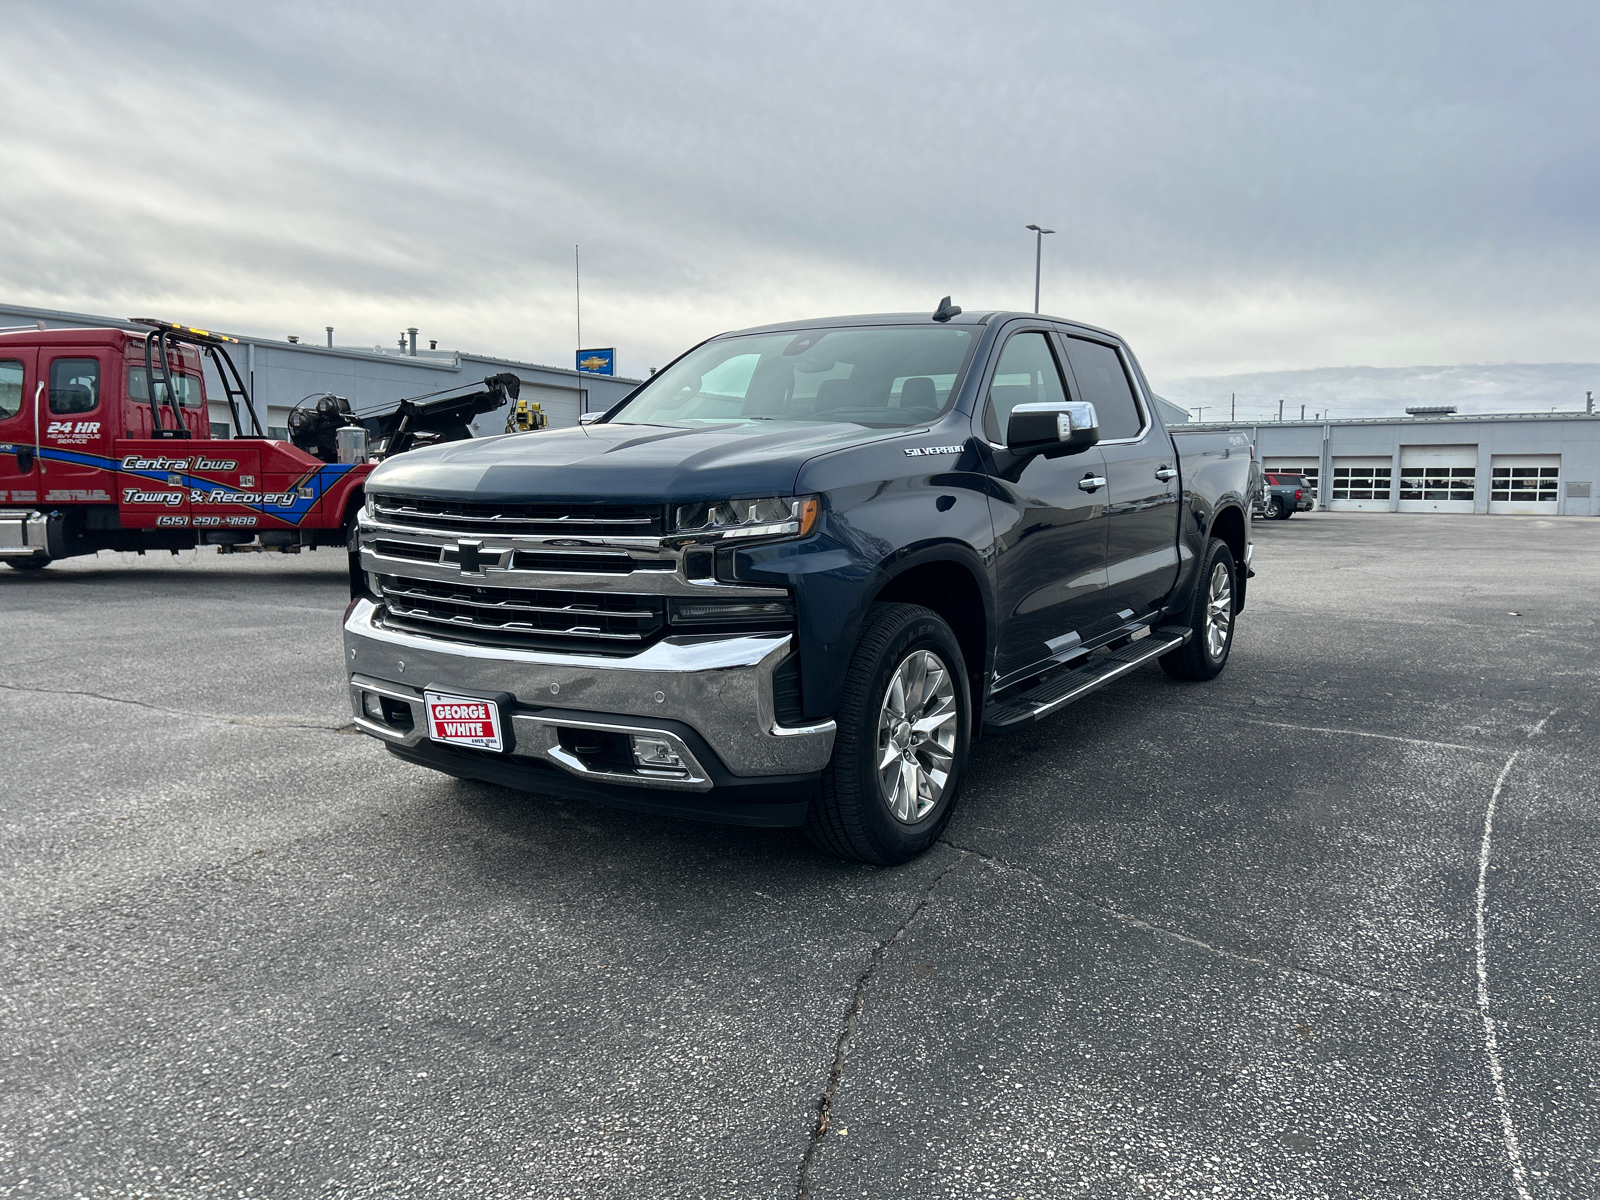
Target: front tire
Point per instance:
(30, 565)
(904, 724)
(1211, 617)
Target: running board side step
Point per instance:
(1055, 694)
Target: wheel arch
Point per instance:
(941, 579)
(1232, 525)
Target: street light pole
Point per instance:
(1038, 259)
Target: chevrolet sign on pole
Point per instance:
(597, 362)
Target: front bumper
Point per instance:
(709, 697)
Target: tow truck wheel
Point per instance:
(904, 724)
(1211, 616)
(28, 564)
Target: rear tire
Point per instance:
(29, 564)
(1275, 510)
(1211, 617)
(904, 725)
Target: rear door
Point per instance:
(79, 408)
(1049, 520)
(1141, 478)
(19, 475)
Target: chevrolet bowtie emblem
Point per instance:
(468, 553)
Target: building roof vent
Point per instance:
(1431, 410)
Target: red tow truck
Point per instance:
(105, 444)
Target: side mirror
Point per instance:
(1067, 428)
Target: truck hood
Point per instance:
(623, 463)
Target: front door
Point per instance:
(75, 427)
(1049, 522)
(1141, 482)
(19, 472)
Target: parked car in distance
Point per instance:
(1283, 494)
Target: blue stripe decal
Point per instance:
(320, 481)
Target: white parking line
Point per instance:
(1388, 737)
(1491, 1043)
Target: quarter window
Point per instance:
(1103, 382)
(1027, 374)
(74, 385)
(187, 387)
(10, 387)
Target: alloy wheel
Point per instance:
(1219, 611)
(916, 736)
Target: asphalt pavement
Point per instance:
(1249, 938)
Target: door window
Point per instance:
(1027, 374)
(10, 388)
(1104, 383)
(74, 385)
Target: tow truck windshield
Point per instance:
(884, 377)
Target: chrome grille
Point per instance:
(472, 518)
(616, 622)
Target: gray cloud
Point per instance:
(1237, 188)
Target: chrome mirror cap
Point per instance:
(1071, 427)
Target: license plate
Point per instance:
(463, 721)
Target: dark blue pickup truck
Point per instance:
(792, 577)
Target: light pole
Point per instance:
(1038, 259)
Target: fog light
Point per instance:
(655, 753)
(372, 705)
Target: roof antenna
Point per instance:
(946, 310)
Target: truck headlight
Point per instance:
(770, 516)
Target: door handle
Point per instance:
(1092, 483)
(1165, 473)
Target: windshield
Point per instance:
(885, 377)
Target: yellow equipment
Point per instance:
(526, 415)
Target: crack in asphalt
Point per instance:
(1345, 981)
(256, 722)
(852, 1018)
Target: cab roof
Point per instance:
(922, 318)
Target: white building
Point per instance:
(280, 374)
(1534, 464)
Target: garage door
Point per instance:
(1361, 483)
(1438, 478)
(1525, 484)
(1309, 467)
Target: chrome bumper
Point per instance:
(721, 687)
(24, 534)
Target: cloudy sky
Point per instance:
(1239, 189)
